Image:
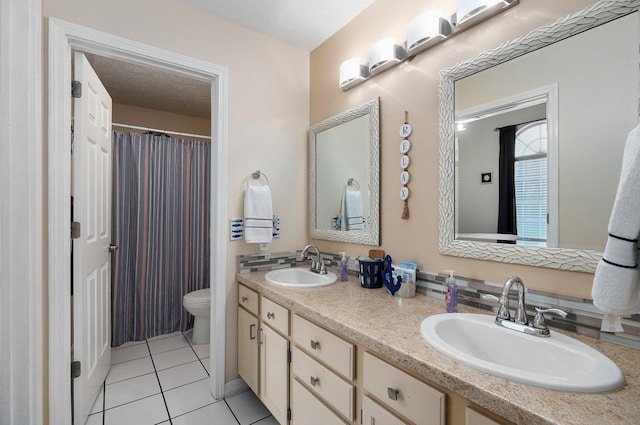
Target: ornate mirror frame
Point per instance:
(371, 237)
(557, 258)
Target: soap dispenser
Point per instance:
(452, 292)
(344, 271)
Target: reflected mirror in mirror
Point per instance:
(344, 176)
(590, 61)
(513, 141)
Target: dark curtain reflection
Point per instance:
(507, 183)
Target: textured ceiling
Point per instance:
(300, 23)
(153, 88)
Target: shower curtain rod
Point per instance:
(134, 127)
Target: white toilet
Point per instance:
(198, 303)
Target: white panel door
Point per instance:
(91, 252)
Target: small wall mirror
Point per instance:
(344, 176)
(564, 98)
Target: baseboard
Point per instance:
(235, 387)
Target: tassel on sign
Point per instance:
(405, 210)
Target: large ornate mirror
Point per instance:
(558, 103)
(344, 176)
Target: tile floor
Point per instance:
(165, 380)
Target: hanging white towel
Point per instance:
(258, 214)
(353, 210)
(615, 285)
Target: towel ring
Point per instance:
(351, 181)
(256, 176)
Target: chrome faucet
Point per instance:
(520, 322)
(521, 311)
(317, 265)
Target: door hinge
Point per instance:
(76, 369)
(288, 356)
(76, 89)
(288, 413)
(75, 230)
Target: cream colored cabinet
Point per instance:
(323, 367)
(248, 299)
(373, 414)
(274, 373)
(308, 410)
(401, 393)
(274, 358)
(248, 349)
(263, 350)
(474, 418)
(248, 360)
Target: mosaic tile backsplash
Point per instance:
(583, 318)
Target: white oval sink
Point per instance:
(300, 278)
(558, 362)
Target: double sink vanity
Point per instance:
(336, 353)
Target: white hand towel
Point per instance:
(258, 214)
(615, 284)
(353, 208)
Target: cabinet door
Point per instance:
(475, 418)
(308, 410)
(373, 414)
(248, 349)
(274, 373)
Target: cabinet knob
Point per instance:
(244, 299)
(392, 393)
(260, 342)
(251, 328)
(315, 344)
(270, 315)
(314, 381)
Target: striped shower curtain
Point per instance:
(161, 189)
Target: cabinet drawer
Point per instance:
(325, 346)
(308, 410)
(403, 393)
(248, 299)
(274, 315)
(474, 418)
(374, 414)
(335, 390)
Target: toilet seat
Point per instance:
(201, 296)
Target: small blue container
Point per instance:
(371, 274)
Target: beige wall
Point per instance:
(413, 86)
(268, 111)
(152, 118)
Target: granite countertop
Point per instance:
(390, 327)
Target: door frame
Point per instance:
(63, 38)
(22, 203)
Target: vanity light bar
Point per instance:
(425, 31)
(471, 12)
(384, 54)
(352, 73)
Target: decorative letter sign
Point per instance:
(405, 146)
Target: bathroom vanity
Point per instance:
(342, 354)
